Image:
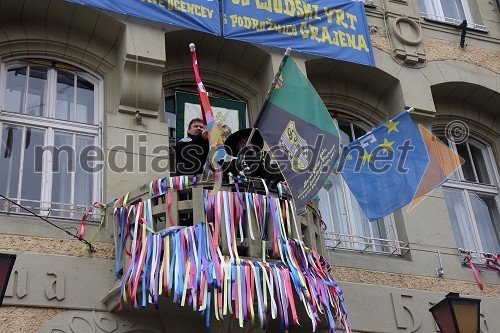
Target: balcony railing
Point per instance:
(185, 204)
(486, 259)
(364, 244)
(58, 210)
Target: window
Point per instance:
(449, 11)
(175, 110)
(346, 224)
(48, 104)
(170, 117)
(182, 105)
(472, 198)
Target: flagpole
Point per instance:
(271, 89)
(214, 139)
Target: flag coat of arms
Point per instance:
(300, 132)
(395, 164)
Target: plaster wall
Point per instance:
(25, 319)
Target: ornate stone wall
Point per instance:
(67, 247)
(25, 319)
(438, 49)
(379, 39)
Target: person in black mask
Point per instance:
(191, 152)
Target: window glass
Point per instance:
(84, 180)
(65, 95)
(456, 174)
(367, 228)
(37, 86)
(486, 213)
(480, 164)
(345, 127)
(457, 210)
(10, 159)
(63, 160)
(360, 221)
(333, 207)
(32, 178)
(453, 9)
(170, 117)
(170, 105)
(358, 131)
(467, 167)
(85, 101)
(379, 231)
(15, 90)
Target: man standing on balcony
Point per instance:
(191, 152)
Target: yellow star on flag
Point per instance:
(386, 145)
(392, 126)
(367, 157)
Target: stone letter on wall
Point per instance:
(55, 286)
(19, 279)
(399, 307)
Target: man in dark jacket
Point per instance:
(191, 152)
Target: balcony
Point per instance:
(244, 242)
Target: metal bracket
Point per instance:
(440, 269)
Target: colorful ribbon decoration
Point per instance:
(90, 210)
(187, 264)
(493, 261)
(168, 184)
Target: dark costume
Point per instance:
(191, 154)
(251, 160)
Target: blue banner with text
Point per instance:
(333, 29)
(202, 15)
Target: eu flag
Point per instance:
(385, 167)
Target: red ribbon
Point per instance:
(474, 270)
(493, 261)
(169, 206)
(85, 216)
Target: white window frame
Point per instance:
(439, 16)
(356, 240)
(467, 187)
(50, 125)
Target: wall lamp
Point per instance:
(6, 265)
(456, 314)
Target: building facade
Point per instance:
(79, 77)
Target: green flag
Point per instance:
(300, 132)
